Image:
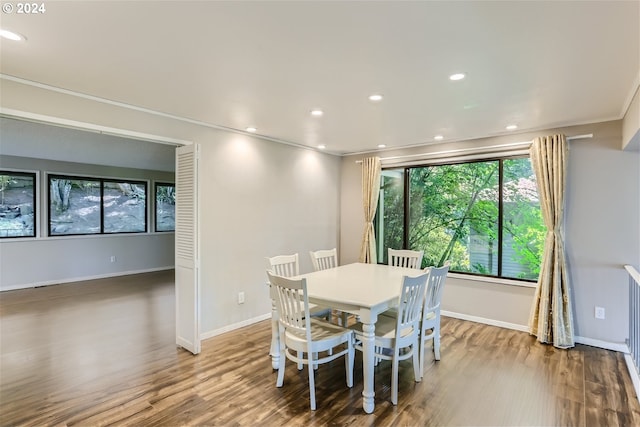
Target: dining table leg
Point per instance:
(368, 356)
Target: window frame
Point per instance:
(405, 170)
(156, 184)
(101, 181)
(36, 195)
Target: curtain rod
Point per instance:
(477, 149)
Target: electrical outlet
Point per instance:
(113, 258)
(240, 297)
(599, 312)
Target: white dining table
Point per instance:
(365, 290)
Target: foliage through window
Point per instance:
(96, 205)
(165, 207)
(17, 204)
(483, 216)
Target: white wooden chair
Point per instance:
(405, 258)
(430, 325)
(301, 335)
(322, 260)
(402, 258)
(289, 266)
(401, 332)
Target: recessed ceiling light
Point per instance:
(381, 145)
(322, 146)
(251, 129)
(512, 127)
(375, 97)
(10, 35)
(457, 76)
(317, 113)
(438, 137)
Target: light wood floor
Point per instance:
(103, 353)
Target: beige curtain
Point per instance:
(551, 318)
(371, 170)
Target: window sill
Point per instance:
(494, 280)
(82, 236)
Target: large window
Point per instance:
(17, 204)
(96, 205)
(165, 207)
(483, 216)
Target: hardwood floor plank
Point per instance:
(102, 353)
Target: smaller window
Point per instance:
(165, 207)
(17, 204)
(74, 205)
(125, 206)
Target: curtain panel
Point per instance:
(551, 318)
(371, 171)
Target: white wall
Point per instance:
(258, 198)
(631, 124)
(602, 230)
(28, 263)
(44, 141)
(602, 234)
(51, 260)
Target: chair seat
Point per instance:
(319, 311)
(385, 331)
(393, 313)
(324, 336)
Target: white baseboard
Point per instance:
(615, 346)
(234, 326)
(633, 373)
(620, 347)
(484, 320)
(82, 279)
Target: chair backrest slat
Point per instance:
(405, 258)
(324, 259)
(435, 287)
(411, 300)
(284, 265)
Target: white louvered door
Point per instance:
(187, 251)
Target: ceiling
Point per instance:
(268, 64)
